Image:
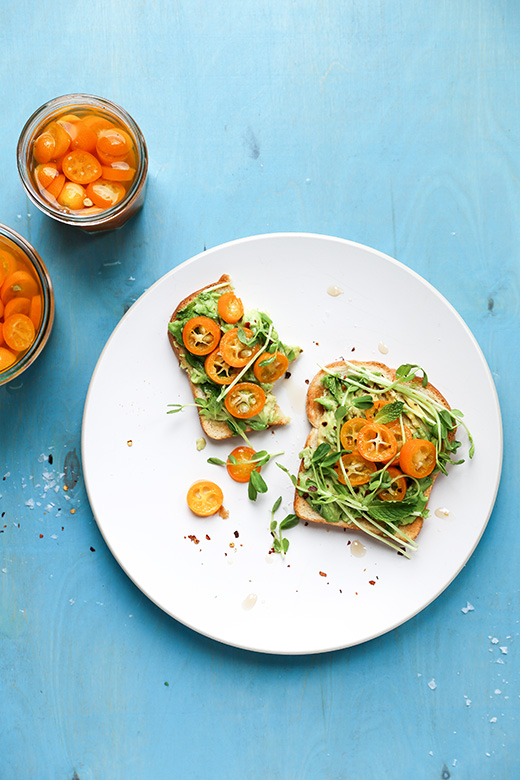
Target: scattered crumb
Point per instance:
(223, 513)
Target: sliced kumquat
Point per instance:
(2, 308)
(2, 280)
(70, 118)
(240, 464)
(19, 332)
(119, 171)
(8, 262)
(110, 159)
(97, 123)
(72, 196)
(204, 498)
(114, 141)
(7, 358)
(2, 342)
(61, 138)
(69, 127)
(20, 284)
(91, 210)
(45, 173)
(54, 189)
(105, 193)
(81, 167)
(85, 138)
(44, 148)
(17, 306)
(35, 310)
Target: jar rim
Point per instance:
(38, 118)
(44, 330)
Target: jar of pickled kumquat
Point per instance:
(83, 161)
(26, 304)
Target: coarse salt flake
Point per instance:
(432, 684)
(468, 608)
(503, 650)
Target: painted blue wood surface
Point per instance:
(391, 123)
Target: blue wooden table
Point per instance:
(391, 123)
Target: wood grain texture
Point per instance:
(394, 124)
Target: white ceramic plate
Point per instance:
(216, 575)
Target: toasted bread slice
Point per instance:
(316, 415)
(214, 429)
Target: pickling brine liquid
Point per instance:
(21, 304)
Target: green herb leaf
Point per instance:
(363, 402)
(321, 452)
(216, 462)
(389, 412)
(289, 522)
(340, 412)
(258, 482)
(276, 505)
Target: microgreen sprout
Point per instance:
(256, 484)
(280, 542)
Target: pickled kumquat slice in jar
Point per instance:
(20, 284)
(72, 196)
(81, 167)
(105, 193)
(19, 332)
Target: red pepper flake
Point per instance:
(65, 487)
(371, 582)
(73, 511)
(193, 538)
(92, 549)
(323, 574)
(208, 538)
(41, 536)
(236, 534)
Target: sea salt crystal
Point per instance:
(72, 601)
(498, 691)
(432, 684)
(30, 503)
(468, 702)
(503, 650)
(494, 641)
(493, 720)
(499, 661)
(468, 608)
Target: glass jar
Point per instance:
(92, 219)
(25, 294)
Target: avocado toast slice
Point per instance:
(379, 439)
(232, 359)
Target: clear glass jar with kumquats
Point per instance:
(83, 161)
(26, 304)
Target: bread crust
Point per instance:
(214, 429)
(315, 413)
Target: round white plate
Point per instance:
(216, 575)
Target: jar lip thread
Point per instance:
(39, 118)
